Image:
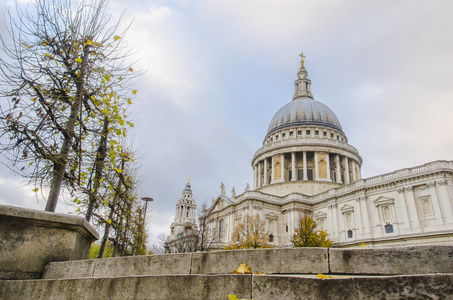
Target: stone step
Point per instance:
(432, 286)
(374, 261)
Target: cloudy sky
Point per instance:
(218, 70)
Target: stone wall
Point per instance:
(30, 239)
(359, 261)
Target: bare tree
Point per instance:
(208, 232)
(65, 76)
(159, 246)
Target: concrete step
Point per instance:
(431, 286)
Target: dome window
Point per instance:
(316, 132)
(283, 135)
(290, 133)
(324, 133)
(331, 135)
(299, 132)
(308, 132)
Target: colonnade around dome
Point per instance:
(304, 163)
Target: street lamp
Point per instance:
(146, 199)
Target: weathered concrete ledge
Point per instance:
(392, 261)
(132, 287)
(361, 261)
(258, 287)
(30, 239)
(386, 287)
(169, 264)
(288, 261)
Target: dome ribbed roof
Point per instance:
(304, 112)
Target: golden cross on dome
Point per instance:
(188, 179)
(302, 60)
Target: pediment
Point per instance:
(219, 203)
(347, 208)
(271, 216)
(321, 215)
(382, 200)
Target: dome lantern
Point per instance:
(302, 83)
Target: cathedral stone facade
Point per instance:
(306, 167)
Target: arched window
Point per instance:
(221, 229)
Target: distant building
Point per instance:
(184, 229)
(307, 167)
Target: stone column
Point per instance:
(346, 170)
(316, 167)
(354, 178)
(330, 224)
(337, 162)
(283, 167)
(328, 167)
(443, 193)
(436, 205)
(265, 172)
(255, 177)
(359, 219)
(413, 206)
(259, 183)
(305, 165)
(293, 167)
(272, 170)
(402, 199)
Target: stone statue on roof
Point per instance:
(222, 189)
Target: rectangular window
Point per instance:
(324, 133)
(287, 229)
(283, 135)
(308, 132)
(290, 133)
(331, 135)
(290, 174)
(426, 207)
(221, 228)
(389, 228)
(271, 238)
(276, 137)
(310, 174)
(349, 234)
(316, 132)
(299, 132)
(300, 174)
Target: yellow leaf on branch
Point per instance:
(78, 59)
(115, 38)
(35, 190)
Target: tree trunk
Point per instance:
(62, 160)
(98, 167)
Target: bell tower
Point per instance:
(185, 216)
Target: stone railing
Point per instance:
(432, 166)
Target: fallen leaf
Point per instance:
(243, 269)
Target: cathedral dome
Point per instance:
(304, 112)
